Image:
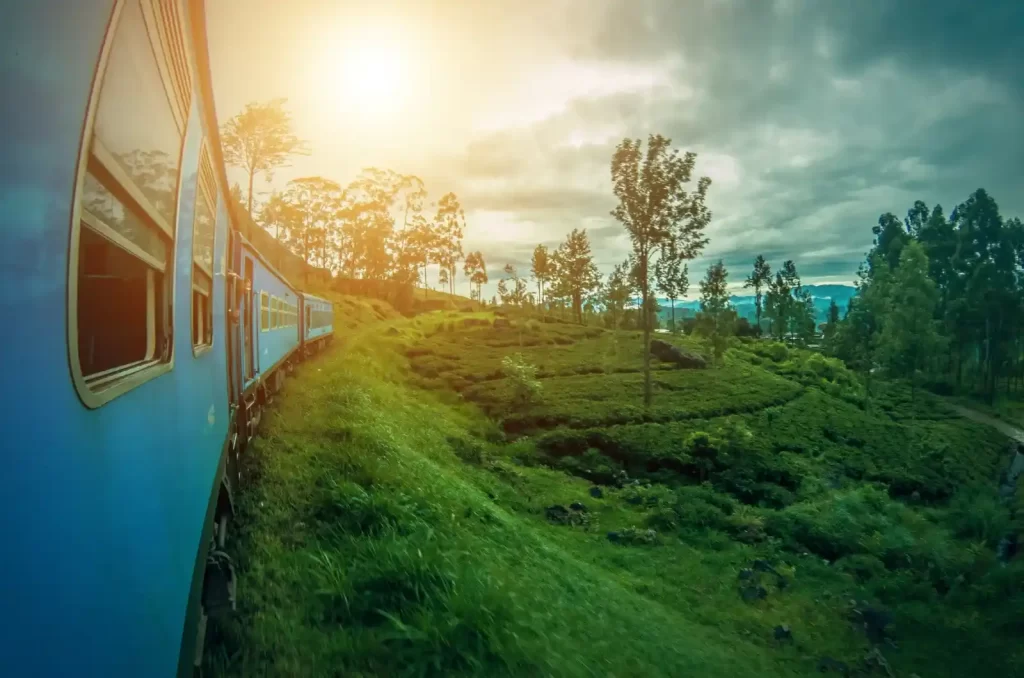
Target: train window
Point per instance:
(121, 270)
(275, 316)
(264, 311)
(202, 254)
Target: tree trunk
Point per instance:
(674, 328)
(251, 175)
(645, 320)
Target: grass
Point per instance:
(395, 527)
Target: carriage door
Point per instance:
(249, 369)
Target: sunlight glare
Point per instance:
(372, 76)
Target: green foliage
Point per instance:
(522, 379)
(717, 320)
(933, 282)
(396, 531)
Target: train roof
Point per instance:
(316, 298)
(248, 244)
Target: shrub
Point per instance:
(523, 378)
(978, 516)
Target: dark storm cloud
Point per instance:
(812, 118)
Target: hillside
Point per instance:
(765, 518)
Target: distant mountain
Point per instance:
(745, 307)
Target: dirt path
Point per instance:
(1001, 426)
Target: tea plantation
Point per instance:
(411, 513)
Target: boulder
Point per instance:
(668, 353)
(783, 633)
(557, 514)
(578, 506)
(752, 593)
(596, 492)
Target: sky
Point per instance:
(811, 117)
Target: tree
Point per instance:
(717, 317)
(576, 274)
(542, 268)
(831, 325)
(260, 139)
(759, 279)
(312, 211)
(517, 294)
(672, 276)
(778, 302)
(617, 293)
(476, 270)
(655, 210)
(449, 229)
(422, 243)
(279, 214)
(909, 333)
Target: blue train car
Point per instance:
(317, 323)
(114, 246)
(275, 330)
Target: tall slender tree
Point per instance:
(672, 277)
(260, 139)
(655, 209)
(717, 317)
(909, 333)
(759, 279)
(576, 275)
(476, 270)
(450, 228)
(542, 269)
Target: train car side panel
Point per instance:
(102, 499)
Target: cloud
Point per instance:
(811, 118)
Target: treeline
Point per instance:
(378, 227)
(941, 299)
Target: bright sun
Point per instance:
(373, 77)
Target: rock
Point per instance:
(668, 353)
(826, 664)
(578, 506)
(557, 514)
(596, 492)
(875, 621)
(783, 633)
(752, 593)
(393, 332)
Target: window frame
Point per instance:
(166, 34)
(264, 311)
(203, 190)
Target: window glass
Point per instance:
(202, 229)
(264, 311)
(101, 203)
(127, 203)
(114, 295)
(134, 121)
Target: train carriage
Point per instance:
(148, 335)
(317, 323)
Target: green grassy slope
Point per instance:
(397, 524)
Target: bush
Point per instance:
(523, 378)
(978, 516)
